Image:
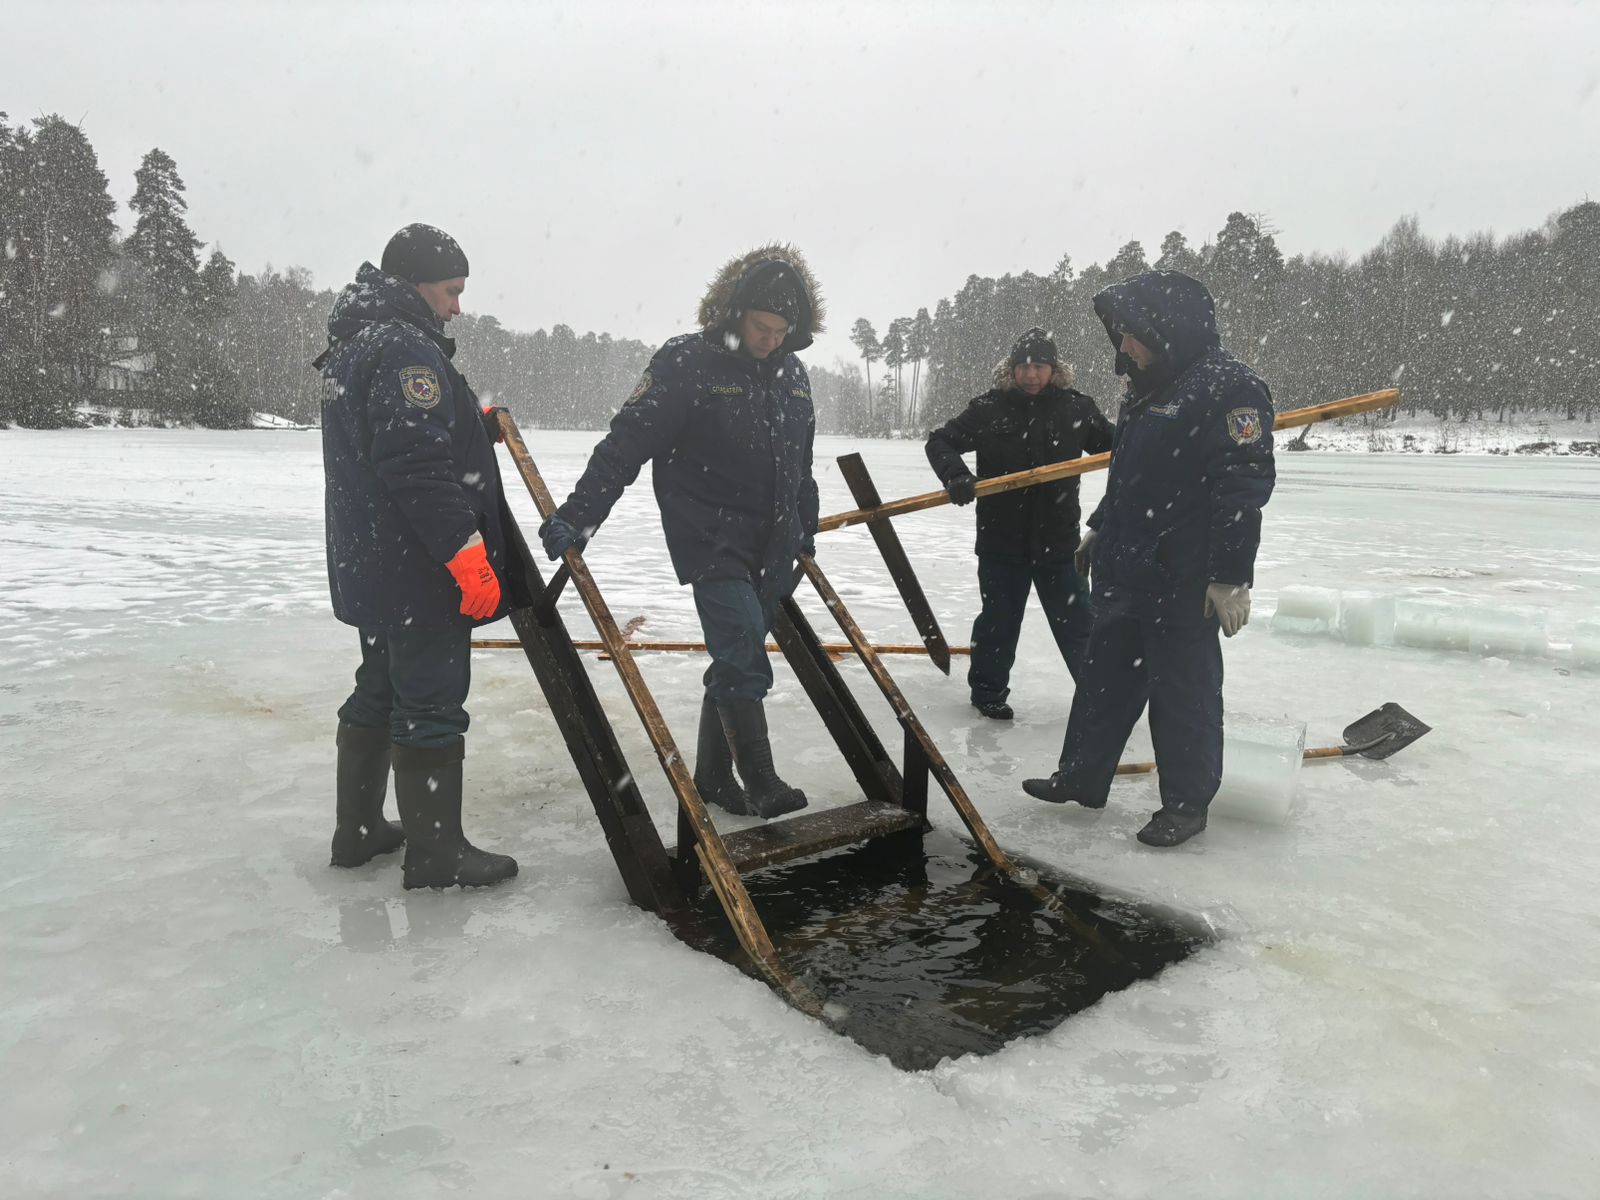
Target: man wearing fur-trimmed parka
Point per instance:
(1173, 549)
(726, 416)
(1026, 538)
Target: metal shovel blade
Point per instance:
(1383, 732)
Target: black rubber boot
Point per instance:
(427, 788)
(995, 710)
(713, 765)
(746, 724)
(1056, 790)
(1171, 828)
(360, 833)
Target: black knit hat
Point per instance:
(422, 254)
(772, 286)
(1035, 346)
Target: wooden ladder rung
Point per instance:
(826, 829)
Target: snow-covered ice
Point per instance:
(1401, 1001)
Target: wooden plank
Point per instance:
(713, 855)
(1353, 406)
(868, 760)
(816, 832)
(854, 470)
(907, 718)
(629, 832)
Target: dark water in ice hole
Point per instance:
(921, 952)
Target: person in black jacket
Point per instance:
(417, 550)
(1173, 549)
(726, 415)
(1030, 418)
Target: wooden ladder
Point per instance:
(662, 880)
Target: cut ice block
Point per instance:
(1432, 626)
(1367, 618)
(1586, 645)
(1306, 610)
(1261, 761)
(1508, 634)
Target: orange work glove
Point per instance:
(480, 590)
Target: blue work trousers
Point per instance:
(414, 684)
(1147, 651)
(735, 616)
(1004, 584)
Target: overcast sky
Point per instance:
(598, 161)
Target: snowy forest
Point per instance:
(1470, 328)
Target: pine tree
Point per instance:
(165, 285)
(865, 339)
(919, 344)
(894, 359)
(217, 402)
(57, 248)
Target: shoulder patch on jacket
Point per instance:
(640, 388)
(1244, 425)
(420, 387)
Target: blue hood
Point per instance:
(1170, 312)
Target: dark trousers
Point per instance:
(414, 684)
(735, 616)
(1004, 584)
(1142, 651)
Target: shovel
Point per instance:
(1382, 732)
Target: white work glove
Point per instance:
(1231, 603)
(1080, 557)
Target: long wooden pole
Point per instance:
(708, 844)
(834, 648)
(1351, 407)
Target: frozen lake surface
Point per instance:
(1401, 1001)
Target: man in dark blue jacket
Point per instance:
(726, 415)
(417, 551)
(1172, 548)
(1030, 418)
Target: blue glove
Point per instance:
(557, 536)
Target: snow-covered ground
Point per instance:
(1523, 435)
(193, 1004)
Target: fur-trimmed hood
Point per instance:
(1062, 377)
(720, 304)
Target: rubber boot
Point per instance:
(1171, 828)
(713, 764)
(427, 788)
(745, 722)
(360, 833)
(1056, 790)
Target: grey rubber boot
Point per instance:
(427, 788)
(745, 722)
(713, 764)
(360, 833)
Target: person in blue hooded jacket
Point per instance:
(417, 553)
(1171, 549)
(725, 414)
